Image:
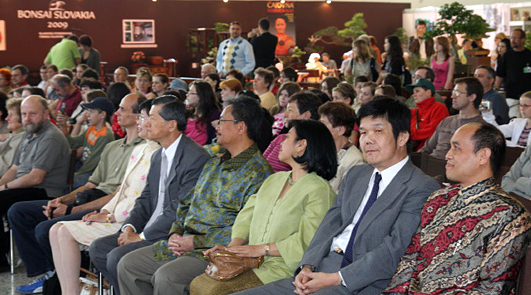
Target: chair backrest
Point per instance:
(71, 169)
(512, 153)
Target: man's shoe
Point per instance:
(33, 287)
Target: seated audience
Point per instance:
(466, 98)
(29, 90)
(385, 90)
(518, 179)
(94, 139)
(276, 76)
(496, 102)
(298, 200)
(340, 118)
(519, 129)
(159, 84)
(395, 82)
(472, 236)
(230, 88)
(19, 74)
(288, 74)
(236, 74)
(214, 80)
(425, 73)
(206, 214)
(330, 65)
(366, 94)
(357, 83)
(286, 90)
(301, 106)
(80, 68)
(5, 80)
(328, 84)
(374, 216)
(79, 122)
(174, 170)
(43, 73)
(344, 92)
(40, 167)
(207, 69)
(51, 94)
(31, 225)
(143, 82)
(71, 97)
(116, 92)
(178, 84)
(3, 113)
(67, 236)
(121, 74)
(9, 146)
(263, 79)
(203, 108)
(427, 115)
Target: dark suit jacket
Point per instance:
(414, 46)
(383, 234)
(264, 49)
(186, 167)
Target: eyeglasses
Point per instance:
(457, 92)
(524, 106)
(221, 120)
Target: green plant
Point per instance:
(221, 27)
(455, 19)
(528, 40)
(401, 34)
(333, 36)
(354, 27)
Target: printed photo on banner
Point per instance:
(282, 19)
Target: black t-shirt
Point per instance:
(264, 49)
(511, 69)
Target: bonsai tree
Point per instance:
(455, 19)
(333, 36)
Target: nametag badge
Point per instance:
(527, 70)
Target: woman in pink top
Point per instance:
(203, 108)
(442, 64)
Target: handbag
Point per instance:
(89, 284)
(225, 265)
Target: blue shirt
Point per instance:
(235, 54)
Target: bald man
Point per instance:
(40, 168)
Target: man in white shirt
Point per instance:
(359, 242)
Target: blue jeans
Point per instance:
(30, 230)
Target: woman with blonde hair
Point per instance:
(143, 82)
(442, 64)
(362, 64)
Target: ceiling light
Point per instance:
(328, 1)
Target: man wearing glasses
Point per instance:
(466, 98)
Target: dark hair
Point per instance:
(276, 72)
(522, 32)
(83, 66)
(163, 78)
(473, 86)
(145, 106)
(331, 83)
(207, 101)
(249, 94)
(35, 90)
(67, 73)
(237, 74)
(346, 91)
(90, 83)
(360, 79)
(215, 77)
(291, 88)
(320, 155)
(266, 74)
(264, 24)
(53, 67)
(179, 93)
(248, 110)
(507, 45)
(488, 136)
(73, 37)
(85, 40)
(322, 96)
(430, 75)
(116, 92)
(22, 68)
(396, 113)
(90, 73)
(421, 22)
(290, 73)
(93, 94)
(393, 81)
(395, 49)
(307, 102)
(339, 114)
(388, 90)
(3, 109)
(490, 71)
(172, 109)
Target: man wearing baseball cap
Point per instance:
(428, 113)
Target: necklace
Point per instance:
(290, 181)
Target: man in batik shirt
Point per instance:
(473, 235)
(206, 214)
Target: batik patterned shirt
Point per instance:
(470, 240)
(208, 211)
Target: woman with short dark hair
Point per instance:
(280, 220)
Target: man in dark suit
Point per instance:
(264, 44)
(419, 45)
(174, 170)
(362, 237)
